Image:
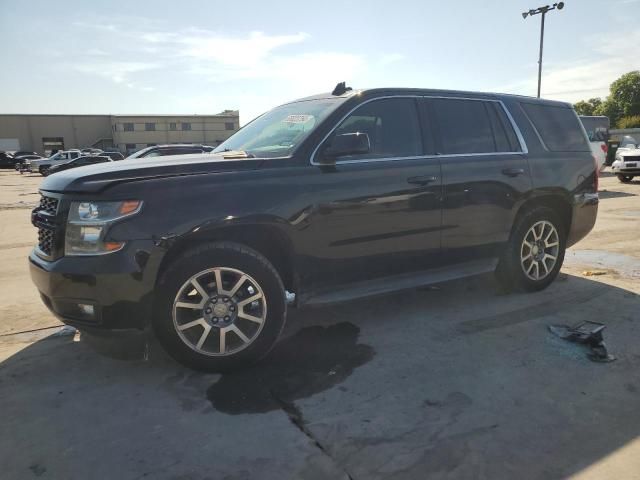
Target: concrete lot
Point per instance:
(457, 381)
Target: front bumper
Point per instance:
(626, 167)
(118, 286)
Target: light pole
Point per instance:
(543, 11)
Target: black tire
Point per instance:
(624, 178)
(44, 171)
(510, 272)
(226, 255)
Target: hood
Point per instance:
(628, 152)
(95, 178)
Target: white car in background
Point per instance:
(627, 162)
(597, 128)
(55, 159)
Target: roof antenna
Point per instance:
(340, 89)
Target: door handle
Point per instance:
(422, 179)
(513, 172)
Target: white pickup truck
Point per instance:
(55, 159)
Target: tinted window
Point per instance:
(391, 124)
(186, 126)
(128, 127)
(505, 136)
(149, 127)
(559, 127)
(464, 126)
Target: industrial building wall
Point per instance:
(73, 131)
(128, 133)
(132, 133)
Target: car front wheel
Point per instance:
(534, 254)
(624, 178)
(220, 306)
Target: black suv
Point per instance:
(320, 200)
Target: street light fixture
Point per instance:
(543, 11)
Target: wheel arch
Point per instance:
(557, 200)
(267, 239)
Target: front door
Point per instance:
(375, 214)
(484, 173)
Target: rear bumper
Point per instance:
(583, 218)
(116, 288)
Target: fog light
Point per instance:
(87, 310)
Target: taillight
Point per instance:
(596, 174)
(604, 147)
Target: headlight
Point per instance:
(88, 223)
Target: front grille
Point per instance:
(48, 204)
(46, 221)
(45, 241)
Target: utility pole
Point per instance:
(543, 11)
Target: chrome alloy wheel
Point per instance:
(539, 250)
(219, 311)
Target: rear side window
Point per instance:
(559, 127)
(506, 139)
(473, 126)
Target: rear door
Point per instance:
(484, 174)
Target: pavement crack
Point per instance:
(294, 414)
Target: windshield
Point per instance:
(628, 142)
(278, 132)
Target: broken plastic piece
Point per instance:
(594, 273)
(586, 333)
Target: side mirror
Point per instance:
(347, 144)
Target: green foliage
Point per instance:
(626, 92)
(623, 100)
(632, 121)
(609, 108)
(588, 107)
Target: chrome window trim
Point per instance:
(523, 145)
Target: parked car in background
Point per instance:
(91, 151)
(78, 162)
(22, 158)
(597, 128)
(43, 165)
(172, 149)
(627, 162)
(22, 153)
(329, 198)
(7, 160)
(112, 155)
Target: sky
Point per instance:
(202, 57)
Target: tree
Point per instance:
(626, 92)
(623, 99)
(609, 108)
(589, 107)
(632, 121)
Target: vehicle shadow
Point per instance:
(606, 194)
(459, 380)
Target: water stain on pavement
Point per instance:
(311, 361)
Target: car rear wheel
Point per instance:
(535, 252)
(220, 306)
(624, 178)
(44, 171)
